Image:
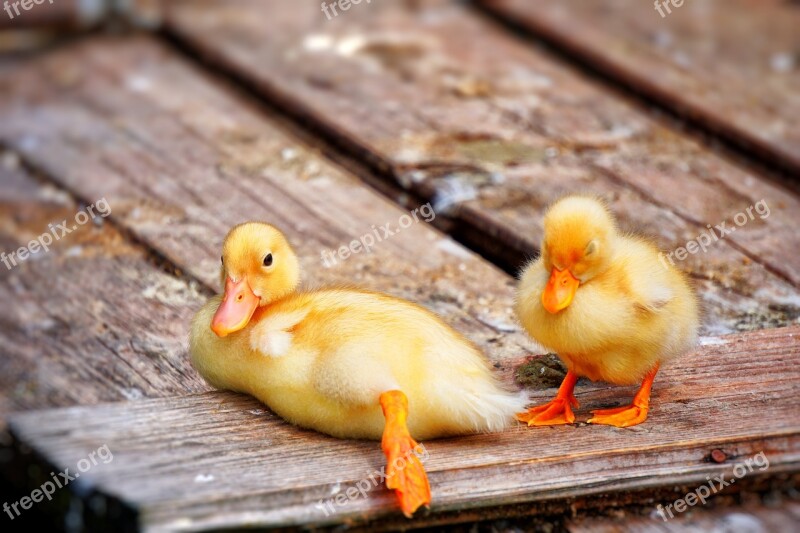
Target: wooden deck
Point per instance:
(247, 109)
(696, 60)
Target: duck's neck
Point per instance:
(272, 304)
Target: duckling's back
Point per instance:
(666, 311)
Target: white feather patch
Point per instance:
(271, 336)
(656, 296)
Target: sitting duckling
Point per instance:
(346, 362)
(606, 305)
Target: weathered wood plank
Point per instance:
(700, 59)
(754, 518)
(61, 14)
(179, 168)
(181, 161)
(456, 110)
(213, 460)
(92, 319)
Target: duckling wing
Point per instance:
(652, 285)
(653, 297)
(272, 336)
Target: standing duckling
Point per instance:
(346, 362)
(607, 305)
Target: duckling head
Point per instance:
(578, 237)
(258, 267)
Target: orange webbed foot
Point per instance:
(620, 417)
(630, 415)
(404, 471)
(406, 475)
(556, 412)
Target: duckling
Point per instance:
(606, 304)
(347, 362)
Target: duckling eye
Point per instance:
(590, 248)
(221, 260)
(268, 260)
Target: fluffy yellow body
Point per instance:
(607, 305)
(620, 323)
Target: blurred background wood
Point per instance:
(52, 14)
(733, 66)
(71, 15)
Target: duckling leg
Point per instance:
(404, 471)
(630, 415)
(557, 411)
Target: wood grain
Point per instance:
(92, 319)
(733, 66)
(181, 160)
(781, 517)
(492, 130)
(218, 459)
(61, 14)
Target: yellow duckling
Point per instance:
(607, 305)
(347, 362)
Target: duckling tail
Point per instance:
(492, 408)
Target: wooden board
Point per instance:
(780, 517)
(63, 14)
(181, 161)
(730, 65)
(92, 319)
(451, 107)
(217, 460)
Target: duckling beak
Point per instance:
(236, 309)
(560, 290)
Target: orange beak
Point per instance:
(560, 290)
(236, 309)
